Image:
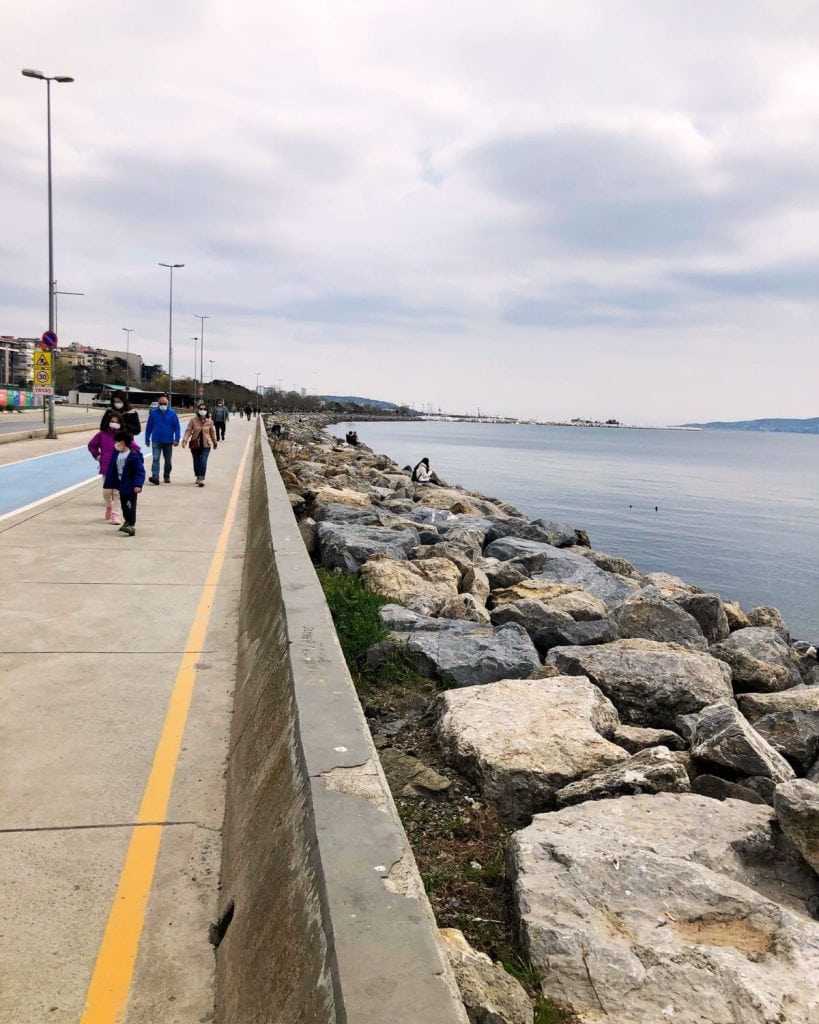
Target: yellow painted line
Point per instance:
(110, 986)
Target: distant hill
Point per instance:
(357, 400)
(782, 426)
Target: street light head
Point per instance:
(31, 73)
(177, 265)
(63, 78)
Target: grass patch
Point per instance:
(355, 615)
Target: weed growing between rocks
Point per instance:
(458, 841)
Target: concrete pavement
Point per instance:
(102, 639)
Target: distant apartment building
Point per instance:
(17, 360)
(89, 363)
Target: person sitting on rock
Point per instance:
(421, 473)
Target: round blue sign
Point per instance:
(48, 342)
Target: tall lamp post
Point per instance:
(48, 79)
(128, 332)
(171, 267)
(195, 340)
(211, 361)
(202, 319)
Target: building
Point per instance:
(17, 360)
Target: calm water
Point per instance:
(738, 512)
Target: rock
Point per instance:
(650, 771)
(501, 574)
(657, 619)
(737, 619)
(723, 736)
(581, 606)
(684, 725)
(349, 545)
(398, 618)
(796, 804)
(522, 740)
(407, 776)
(770, 618)
(648, 682)
(721, 789)
(340, 496)
(482, 655)
(489, 993)
(788, 720)
(709, 612)
(476, 583)
(465, 608)
(531, 615)
(527, 589)
(307, 529)
(609, 563)
(559, 566)
(672, 907)
(582, 539)
(668, 585)
(759, 659)
(530, 531)
(544, 672)
(581, 634)
(635, 738)
(423, 586)
(448, 498)
(462, 557)
(378, 654)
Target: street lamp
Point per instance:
(258, 374)
(128, 332)
(172, 267)
(48, 79)
(211, 370)
(195, 340)
(202, 320)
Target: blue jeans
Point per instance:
(200, 462)
(158, 447)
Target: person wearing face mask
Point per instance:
(102, 447)
(125, 412)
(220, 417)
(162, 433)
(200, 437)
(126, 474)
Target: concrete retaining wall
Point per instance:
(330, 924)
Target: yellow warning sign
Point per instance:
(43, 361)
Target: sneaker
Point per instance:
(115, 520)
(123, 528)
(153, 480)
(167, 480)
(129, 531)
(108, 512)
(200, 483)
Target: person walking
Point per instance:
(248, 410)
(126, 474)
(125, 412)
(220, 418)
(102, 447)
(162, 433)
(200, 437)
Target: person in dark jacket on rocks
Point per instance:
(220, 417)
(162, 433)
(123, 410)
(126, 474)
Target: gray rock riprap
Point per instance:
(571, 633)
(671, 907)
(648, 682)
(635, 738)
(796, 805)
(490, 994)
(723, 736)
(655, 618)
(483, 654)
(522, 740)
(463, 607)
(559, 566)
(788, 720)
(531, 615)
(423, 586)
(709, 611)
(721, 789)
(651, 771)
(759, 659)
(765, 615)
(348, 546)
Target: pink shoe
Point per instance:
(108, 511)
(114, 518)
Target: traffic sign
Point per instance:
(43, 360)
(48, 341)
(43, 367)
(43, 390)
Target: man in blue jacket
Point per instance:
(162, 433)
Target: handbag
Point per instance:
(196, 441)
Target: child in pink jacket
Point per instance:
(101, 447)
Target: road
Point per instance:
(31, 419)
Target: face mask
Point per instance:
(203, 412)
(122, 449)
(117, 405)
(163, 408)
(113, 426)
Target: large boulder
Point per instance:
(348, 546)
(796, 804)
(768, 616)
(709, 611)
(788, 720)
(648, 682)
(476, 583)
(463, 607)
(423, 586)
(655, 618)
(463, 557)
(522, 740)
(340, 496)
(531, 615)
(611, 563)
(651, 771)
(478, 654)
(737, 619)
(723, 736)
(501, 574)
(672, 907)
(489, 993)
(760, 659)
(635, 738)
(568, 633)
(559, 566)
(527, 589)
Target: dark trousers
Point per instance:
(128, 502)
(166, 451)
(220, 429)
(200, 462)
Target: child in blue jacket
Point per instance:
(126, 474)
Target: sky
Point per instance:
(533, 208)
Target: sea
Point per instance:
(735, 512)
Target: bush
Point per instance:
(355, 615)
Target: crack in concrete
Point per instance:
(115, 824)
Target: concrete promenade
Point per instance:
(117, 671)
